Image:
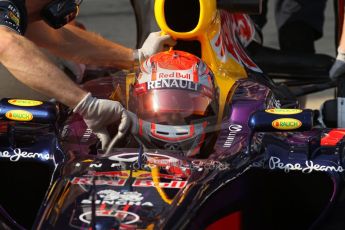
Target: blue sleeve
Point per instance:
(13, 15)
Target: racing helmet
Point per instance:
(176, 102)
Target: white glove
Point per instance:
(153, 44)
(99, 113)
(338, 67)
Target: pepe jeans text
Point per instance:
(18, 154)
(310, 166)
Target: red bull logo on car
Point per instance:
(286, 124)
(19, 115)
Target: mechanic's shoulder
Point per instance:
(13, 14)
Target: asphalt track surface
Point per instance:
(114, 19)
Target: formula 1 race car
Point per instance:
(214, 143)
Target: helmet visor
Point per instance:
(173, 106)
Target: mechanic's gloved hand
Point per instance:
(154, 43)
(99, 113)
(338, 67)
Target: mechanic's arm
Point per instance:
(30, 66)
(86, 47)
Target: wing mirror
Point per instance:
(282, 120)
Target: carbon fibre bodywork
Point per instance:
(130, 188)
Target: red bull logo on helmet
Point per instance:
(175, 75)
(186, 75)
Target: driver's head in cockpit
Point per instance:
(176, 101)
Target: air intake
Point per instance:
(182, 15)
